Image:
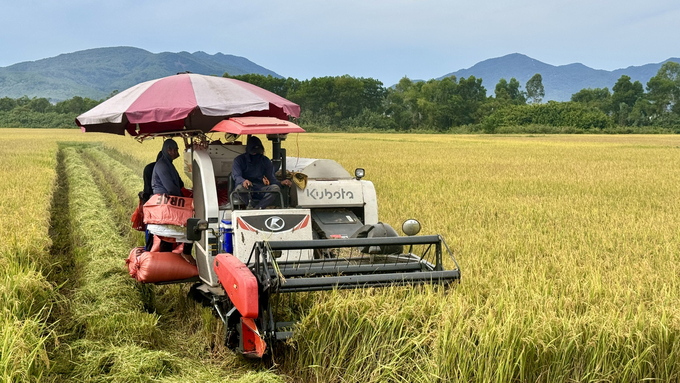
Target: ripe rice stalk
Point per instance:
(26, 179)
(568, 246)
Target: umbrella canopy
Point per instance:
(186, 100)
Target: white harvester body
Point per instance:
(333, 202)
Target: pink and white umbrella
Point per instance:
(187, 100)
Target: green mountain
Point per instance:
(560, 82)
(95, 73)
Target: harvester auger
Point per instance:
(246, 308)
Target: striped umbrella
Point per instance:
(186, 100)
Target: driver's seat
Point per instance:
(236, 203)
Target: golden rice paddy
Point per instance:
(568, 247)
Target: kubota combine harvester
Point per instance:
(324, 232)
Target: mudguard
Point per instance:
(239, 283)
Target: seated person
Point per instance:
(148, 173)
(166, 180)
(145, 194)
(253, 171)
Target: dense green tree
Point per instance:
(23, 101)
(642, 113)
(40, 105)
(473, 94)
(509, 92)
(7, 104)
(402, 104)
(590, 95)
(597, 97)
(76, 105)
(339, 97)
(535, 90)
(435, 104)
(626, 92)
(664, 88)
(625, 95)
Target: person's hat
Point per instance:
(254, 145)
(258, 149)
(169, 144)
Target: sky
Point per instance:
(386, 40)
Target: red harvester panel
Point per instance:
(253, 344)
(239, 283)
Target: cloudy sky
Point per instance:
(382, 39)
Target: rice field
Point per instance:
(568, 247)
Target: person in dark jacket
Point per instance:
(166, 180)
(146, 194)
(253, 171)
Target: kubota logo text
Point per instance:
(329, 195)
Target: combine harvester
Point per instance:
(320, 236)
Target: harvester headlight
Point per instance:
(411, 227)
(359, 173)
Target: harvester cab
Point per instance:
(323, 233)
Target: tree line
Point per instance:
(448, 105)
(462, 105)
(39, 112)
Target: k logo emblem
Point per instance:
(274, 223)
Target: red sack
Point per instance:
(187, 193)
(137, 218)
(163, 267)
(162, 209)
(132, 262)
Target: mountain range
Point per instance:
(560, 82)
(95, 73)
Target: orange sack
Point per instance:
(131, 261)
(162, 209)
(159, 267)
